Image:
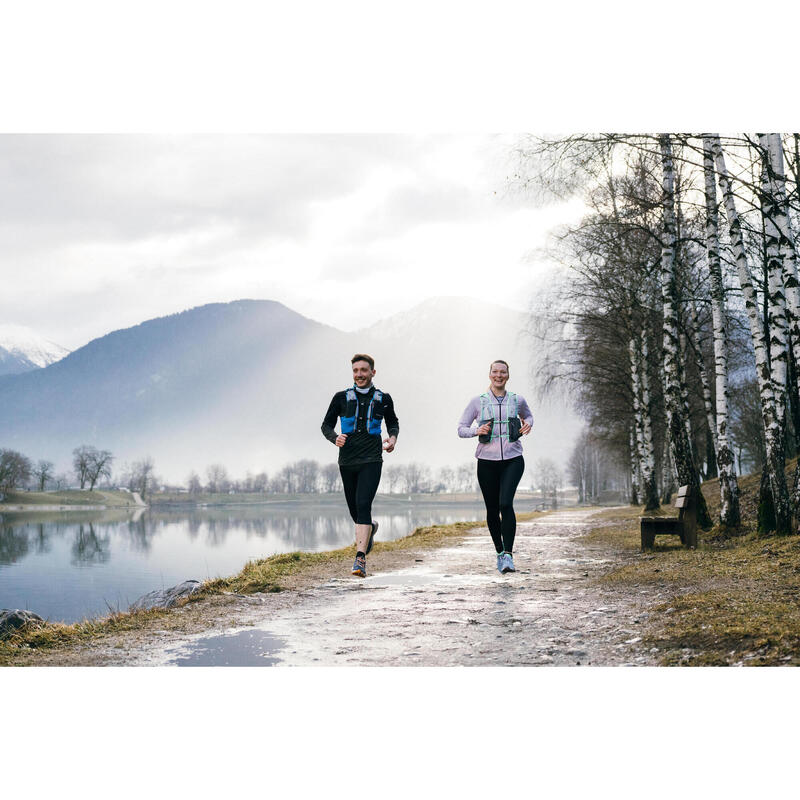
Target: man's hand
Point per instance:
(525, 428)
(341, 439)
(388, 444)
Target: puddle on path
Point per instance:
(248, 648)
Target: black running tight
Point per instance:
(498, 481)
(360, 483)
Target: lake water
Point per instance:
(71, 566)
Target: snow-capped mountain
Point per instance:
(22, 349)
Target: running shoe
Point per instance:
(508, 566)
(372, 536)
(501, 562)
(360, 567)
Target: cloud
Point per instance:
(123, 188)
(99, 232)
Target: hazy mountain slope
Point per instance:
(203, 385)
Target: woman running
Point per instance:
(502, 417)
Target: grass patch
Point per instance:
(53, 634)
(270, 574)
(70, 497)
(733, 600)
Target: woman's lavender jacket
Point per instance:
(497, 449)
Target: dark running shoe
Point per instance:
(360, 567)
(372, 537)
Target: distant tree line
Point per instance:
(307, 476)
(93, 467)
(597, 472)
(90, 467)
(548, 479)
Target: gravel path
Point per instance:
(451, 608)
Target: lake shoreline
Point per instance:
(34, 508)
(156, 501)
(70, 500)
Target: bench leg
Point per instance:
(648, 539)
(691, 539)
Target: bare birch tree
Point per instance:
(773, 434)
(728, 486)
(673, 398)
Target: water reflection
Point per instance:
(13, 544)
(138, 534)
(243, 649)
(68, 566)
(41, 539)
(89, 547)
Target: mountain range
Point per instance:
(246, 384)
(22, 349)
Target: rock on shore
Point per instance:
(165, 598)
(12, 620)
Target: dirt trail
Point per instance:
(451, 608)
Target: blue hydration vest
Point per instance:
(374, 414)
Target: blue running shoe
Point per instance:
(508, 566)
(372, 537)
(360, 567)
(501, 561)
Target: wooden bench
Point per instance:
(685, 525)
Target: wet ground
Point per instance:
(450, 608)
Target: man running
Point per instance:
(361, 410)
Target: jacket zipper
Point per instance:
(500, 427)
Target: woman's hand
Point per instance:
(484, 429)
(525, 429)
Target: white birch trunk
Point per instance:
(672, 390)
(694, 330)
(687, 416)
(649, 487)
(789, 261)
(669, 478)
(730, 514)
(770, 418)
(783, 222)
(636, 392)
(777, 322)
(648, 494)
(635, 466)
(673, 399)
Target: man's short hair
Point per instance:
(363, 357)
(499, 361)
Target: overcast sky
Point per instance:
(99, 232)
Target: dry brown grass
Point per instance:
(732, 601)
